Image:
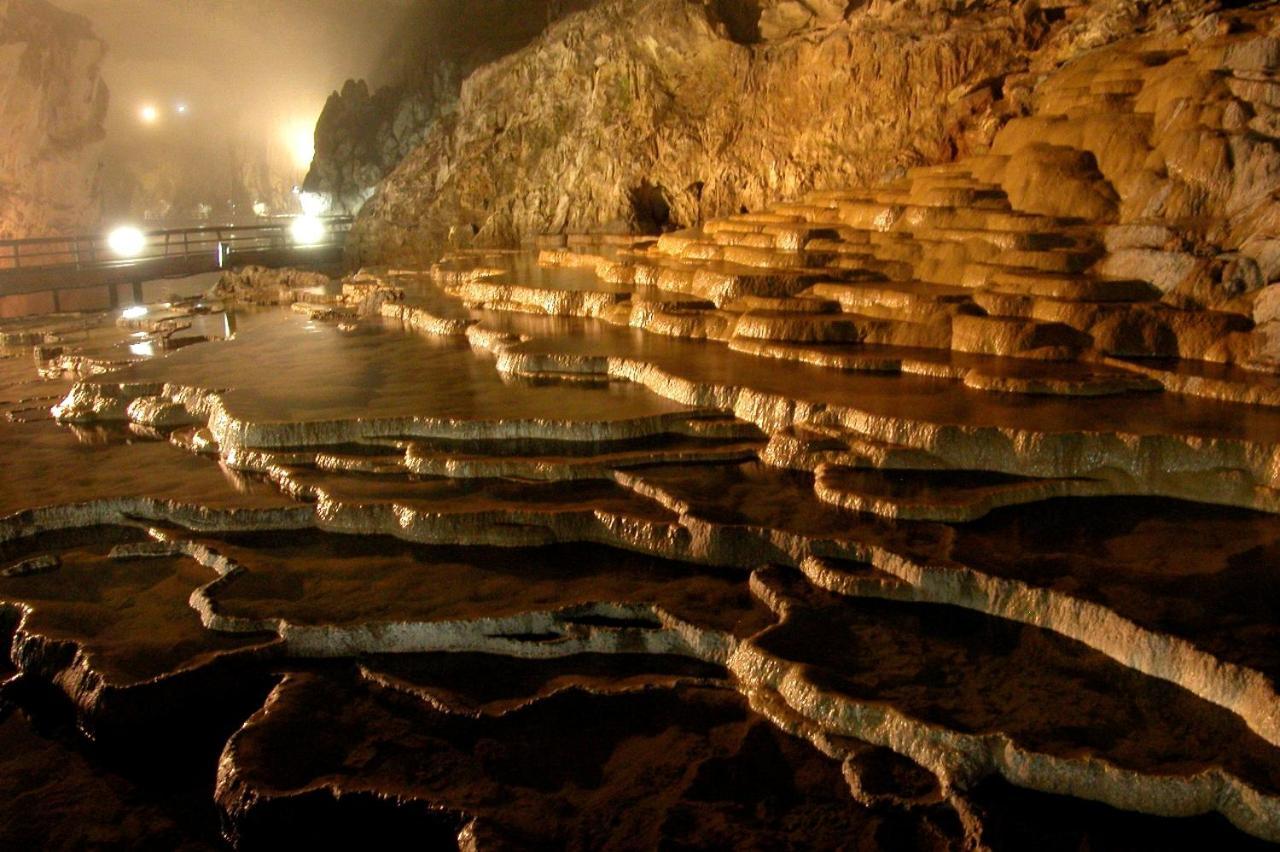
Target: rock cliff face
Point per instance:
(365, 132)
(52, 106)
(654, 113)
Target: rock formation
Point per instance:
(364, 133)
(52, 107)
(688, 111)
(753, 576)
(937, 508)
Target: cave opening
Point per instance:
(650, 209)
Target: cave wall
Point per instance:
(688, 110)
(370, 125)
(53, 104)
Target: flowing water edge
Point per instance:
(415, 563)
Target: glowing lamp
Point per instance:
(149, 114)
(307, 230)
(299, 140)
(126, 241)
(313, 203)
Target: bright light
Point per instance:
(136, 312)
(260, 208)
(307, 230)
(126, 241)
(181, 108)
(148, 114)
(300, 139)
(314, 203)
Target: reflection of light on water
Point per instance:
(136, 312)
(94, 436)
(145, 349)
(237, 480)
(146, 433)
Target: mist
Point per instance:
(213, 102)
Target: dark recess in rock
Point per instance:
(741, 19)
(649, 208)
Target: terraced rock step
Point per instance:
(938, 513)
(448, 678)
(931, 681)
(334, 595)
(697, 766)
(1098, 206)
(939, 495)
(110, 625)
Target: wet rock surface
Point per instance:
(685, 764)
(58, 798)
(510, 578)
(936, 512)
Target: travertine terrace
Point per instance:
(940, 512)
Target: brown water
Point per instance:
(411, 596)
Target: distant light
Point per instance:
(299, 137)
(136, 312)
(307, 230)
(126, 241)
(148, 114)
(181, 109)
(260, 208)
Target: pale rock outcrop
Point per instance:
(262, 286)
(52, 106)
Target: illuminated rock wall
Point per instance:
(366, 130)
(647, 114)
(52, 106)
